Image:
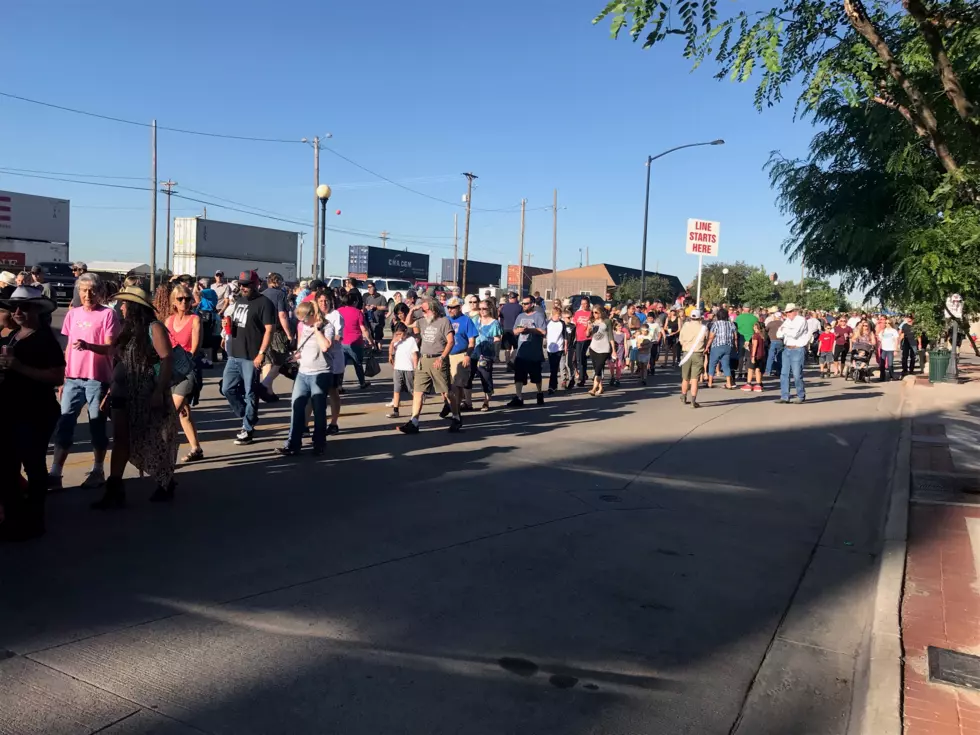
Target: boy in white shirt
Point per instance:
(403, 354)
(888, 341)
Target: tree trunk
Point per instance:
(922, 112)
(947, 75)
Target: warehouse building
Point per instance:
(592, 280)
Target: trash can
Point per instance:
(938, 365)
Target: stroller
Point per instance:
(858, 366)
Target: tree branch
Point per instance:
(904, 111)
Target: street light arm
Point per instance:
(688, 145)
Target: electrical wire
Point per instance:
(81, 176)
(8, 172)
(148, 125)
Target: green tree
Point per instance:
(913, 60)
(758, 290)
(714, 281)
(657, 287)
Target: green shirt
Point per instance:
(744, 323)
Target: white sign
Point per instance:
(954, 305)
(702, 237)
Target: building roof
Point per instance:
(117, 266)
(616, 274)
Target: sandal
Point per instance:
(193, 456)
(485, 407)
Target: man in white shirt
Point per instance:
(854, 320)
(795, 333)
(815, 327)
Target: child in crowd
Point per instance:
(644, 351)
(620, 334)
(555, 345)
(825, 349)
(568, 356)
(403, 354)
(755, 359)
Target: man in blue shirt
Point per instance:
(464, 339)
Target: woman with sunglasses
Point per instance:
(489, 334)
(184, 328)
(601, 332)
(32, 365)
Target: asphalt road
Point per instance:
(616, 565)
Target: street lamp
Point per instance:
(646, 210)
(724, 272)
(323, 194)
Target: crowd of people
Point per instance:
(137, 359)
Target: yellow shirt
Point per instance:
(688, 310)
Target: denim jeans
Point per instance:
(723, 354)
(886, 362)
(238, 385)
(792, 364)
(775, 359)
(354, 355)
(76, 393)
(315, 388)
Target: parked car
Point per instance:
(388, 287)
(427, 288)
(60, 280)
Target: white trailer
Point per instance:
(204, 265)
(30, 217)
(16, 255)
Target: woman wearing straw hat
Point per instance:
(32, 365)
(143, 414)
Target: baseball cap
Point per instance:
(696, 314)
(219, 273)
(454, 301)
(248, 277)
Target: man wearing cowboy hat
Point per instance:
(795, 334)
(252, 322)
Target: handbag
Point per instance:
(290, 368)
(371, 365)
(181, 367)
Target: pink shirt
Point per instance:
(98, 326)
(186, 334)
(353, 321)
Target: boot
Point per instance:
(163, 495)
(114, 496)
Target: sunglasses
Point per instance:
(525, 303)
(183, 298)
(484, 308)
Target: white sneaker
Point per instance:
(95, 478)
(390, 404)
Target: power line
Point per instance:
(82, 176)
(147, 125)
(75, 181)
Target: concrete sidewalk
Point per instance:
(941, 602)
(598, 565)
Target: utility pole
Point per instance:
(554, 247)
(316, 201)
(520, 255)
(384, 238)
(153, 215)
(455, 248)
(168, 189)
(299, 265)
(586, 255)
(580, 257)
(466, 233)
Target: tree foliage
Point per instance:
(657, 287)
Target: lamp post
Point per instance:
(323, 194)
(724, 272)
(646, 209)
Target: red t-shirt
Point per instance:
(581, 320)
(186, 333)
(827, 341)
(843, 335)
(353, 321)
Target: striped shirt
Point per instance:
(724, 332)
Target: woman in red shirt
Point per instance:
(184, 329)
(355, 333)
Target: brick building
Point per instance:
(592, 280)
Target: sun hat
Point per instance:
(135, 295)
(31, 297)
(9, 278)
(790, 307)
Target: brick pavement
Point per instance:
(941, 600)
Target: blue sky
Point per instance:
(529, 96)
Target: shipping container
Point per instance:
(195, 236)
(384, 263)
(15, 255)
(202, 266)
(477, 273)
(29, 217)
(514, 277)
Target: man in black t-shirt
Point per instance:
(375, 310)
(282, 336)
(909, 346)
(252, 322)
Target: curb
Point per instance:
(877, 704)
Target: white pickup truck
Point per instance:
(388, 287)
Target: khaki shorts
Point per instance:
(692, 369)
(460, 375)
(428, 378)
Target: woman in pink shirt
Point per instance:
(184, 329)
(355, 334)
